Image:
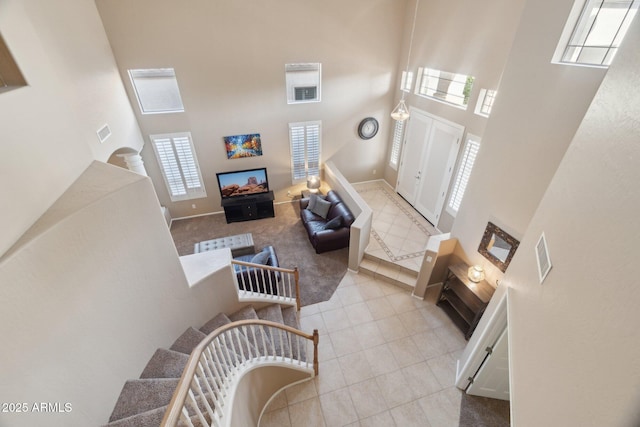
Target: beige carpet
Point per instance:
(320, 274)
(476, 411)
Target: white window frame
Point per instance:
(485, 102)
(469, 155)
(303, 77)
(306, 150)
(428, 86)
(579, 33)
(179, 165)
(396, 144)
(406, 81)
(156, 90)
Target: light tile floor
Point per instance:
(386, 359)
(399, 233)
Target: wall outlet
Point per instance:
(193, 206)
(374, 172)
(288, 193)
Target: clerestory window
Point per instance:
(594, 31)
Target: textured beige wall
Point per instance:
(537, 112)
(89, 295)
(467, 37)
(575, 342)
(229, 59)
(49, 128)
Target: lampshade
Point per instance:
(400, 113)
(313, 183)
(476, 273)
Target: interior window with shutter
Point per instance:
(469, 155)
(305, 139)
(397, 142)
(179, 165)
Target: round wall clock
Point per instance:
(368, 128)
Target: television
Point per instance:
(243, 183)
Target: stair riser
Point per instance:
(387, 279)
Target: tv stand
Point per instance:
(246, 208)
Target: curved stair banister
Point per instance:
(277, 283)
(224, 355)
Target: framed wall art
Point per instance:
(239, 146)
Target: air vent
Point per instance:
(544, 261)
(306, 93)
(103, 133)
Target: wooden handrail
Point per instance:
(265, 267)
(172, 415)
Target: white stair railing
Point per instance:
(274, 283)
(223, 357)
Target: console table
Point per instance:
(464, 301)
(245, 208)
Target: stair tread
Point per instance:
(165, 364)
(290, 316)
(143, 395)
(220, 319)
(151, 418)
(245, 313)
(273, 313)
(249, 313)
(188, 341)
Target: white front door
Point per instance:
(429, 155)
(492, 379)
(415, 141)
(438, 163)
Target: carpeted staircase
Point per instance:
(143, 401)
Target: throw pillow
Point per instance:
(313, 197)
(261, 258)
(321, 208)
(334, 223)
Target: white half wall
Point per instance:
(49, 127)
(90, 293)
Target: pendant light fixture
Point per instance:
(401, 112)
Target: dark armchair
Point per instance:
(256, 279)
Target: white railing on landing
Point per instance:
(272, 283)
(203, 394)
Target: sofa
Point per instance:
(327, 221)
(255, 279)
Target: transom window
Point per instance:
(406, 81)
(485, 102)
(444, 86)
(157, 90)
(594, 31)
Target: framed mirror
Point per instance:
(498, 246)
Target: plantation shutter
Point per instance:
(177, 160)
(305, 139)
(397, 142)
(464, 172)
